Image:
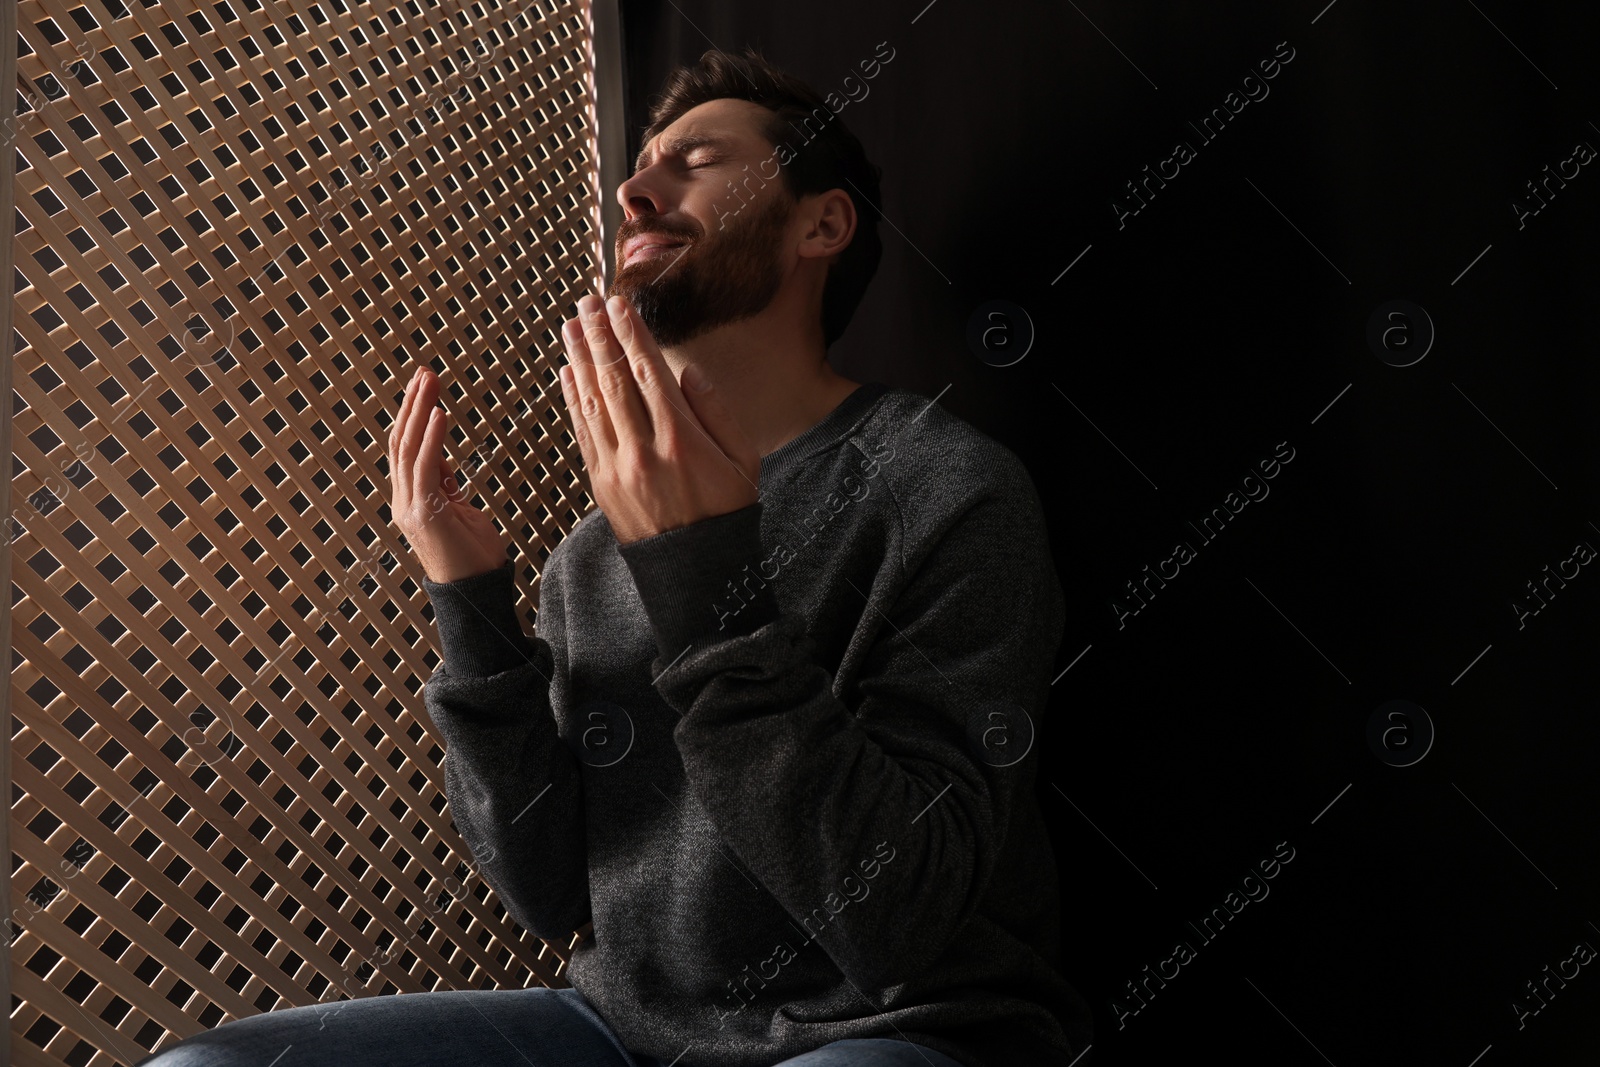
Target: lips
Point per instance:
(644, 242)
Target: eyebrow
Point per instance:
(681, 144)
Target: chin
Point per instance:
(637, 279)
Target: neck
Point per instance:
(772, 375)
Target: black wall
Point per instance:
(1228, 316)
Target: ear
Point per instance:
(830, 223)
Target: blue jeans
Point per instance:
(470, 1028)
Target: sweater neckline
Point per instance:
(823, 433)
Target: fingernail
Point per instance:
(697, 378)
(617, 306)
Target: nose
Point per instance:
(639, 195)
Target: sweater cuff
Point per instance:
(705, 582)
(479, 633)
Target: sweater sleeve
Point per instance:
(512, 782)
(909, 785)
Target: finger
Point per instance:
(395, 434)
(422, 402)
(580, 429)
(449, 484)
(615, 376)
(663, 400)
(603, 377)
(394, 427)
(583, 394)
(603, 348)
(430, 457)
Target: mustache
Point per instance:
(626, 233)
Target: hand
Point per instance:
(659, 456)
(451, 538)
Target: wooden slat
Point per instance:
(227, 791)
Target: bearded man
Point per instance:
(770, 745)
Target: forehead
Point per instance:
(735, 124)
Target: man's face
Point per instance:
(720, 257)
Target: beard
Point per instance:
(732, 275)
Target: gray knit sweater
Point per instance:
(781, 757)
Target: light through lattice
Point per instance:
(238, 227)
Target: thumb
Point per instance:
(713, 415)
(447, 482)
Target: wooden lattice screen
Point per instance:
(239, 227)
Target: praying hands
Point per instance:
(659, 456)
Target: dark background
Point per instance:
(1176, 354)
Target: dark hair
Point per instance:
(831, 159)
